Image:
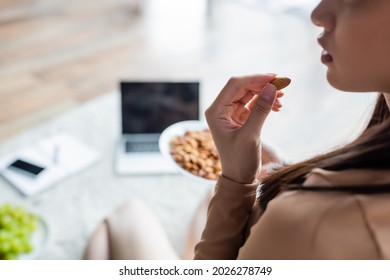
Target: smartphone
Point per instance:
(26, 167)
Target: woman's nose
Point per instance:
(323, 15)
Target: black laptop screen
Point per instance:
(150, 107)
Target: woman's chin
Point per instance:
(356, 84)
(334, 81)
(342, 84)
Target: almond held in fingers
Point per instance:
(281, 82)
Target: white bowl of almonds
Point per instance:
(189, 146)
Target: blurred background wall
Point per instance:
(56, 55)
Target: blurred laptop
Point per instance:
(147, 108)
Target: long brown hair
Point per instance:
(369, 150)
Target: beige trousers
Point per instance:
(133, 232)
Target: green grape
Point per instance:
(27, 247)
(10, 256)
(3, 235)
(7, 208)
(22, 233)
(16, 228)
(5, 221)
(19, 213)
(16, 246)
(5, 246)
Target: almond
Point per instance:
(281, 82)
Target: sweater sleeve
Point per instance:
(227, 219)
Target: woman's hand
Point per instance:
(236, 118)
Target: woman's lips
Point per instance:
(326, 57)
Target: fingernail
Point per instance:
(268, 93)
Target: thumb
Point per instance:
(261, 109)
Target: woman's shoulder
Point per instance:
(348, 177)
(326, 225)
(323, 190)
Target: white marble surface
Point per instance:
(74, 207)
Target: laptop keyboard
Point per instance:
(141, 147)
